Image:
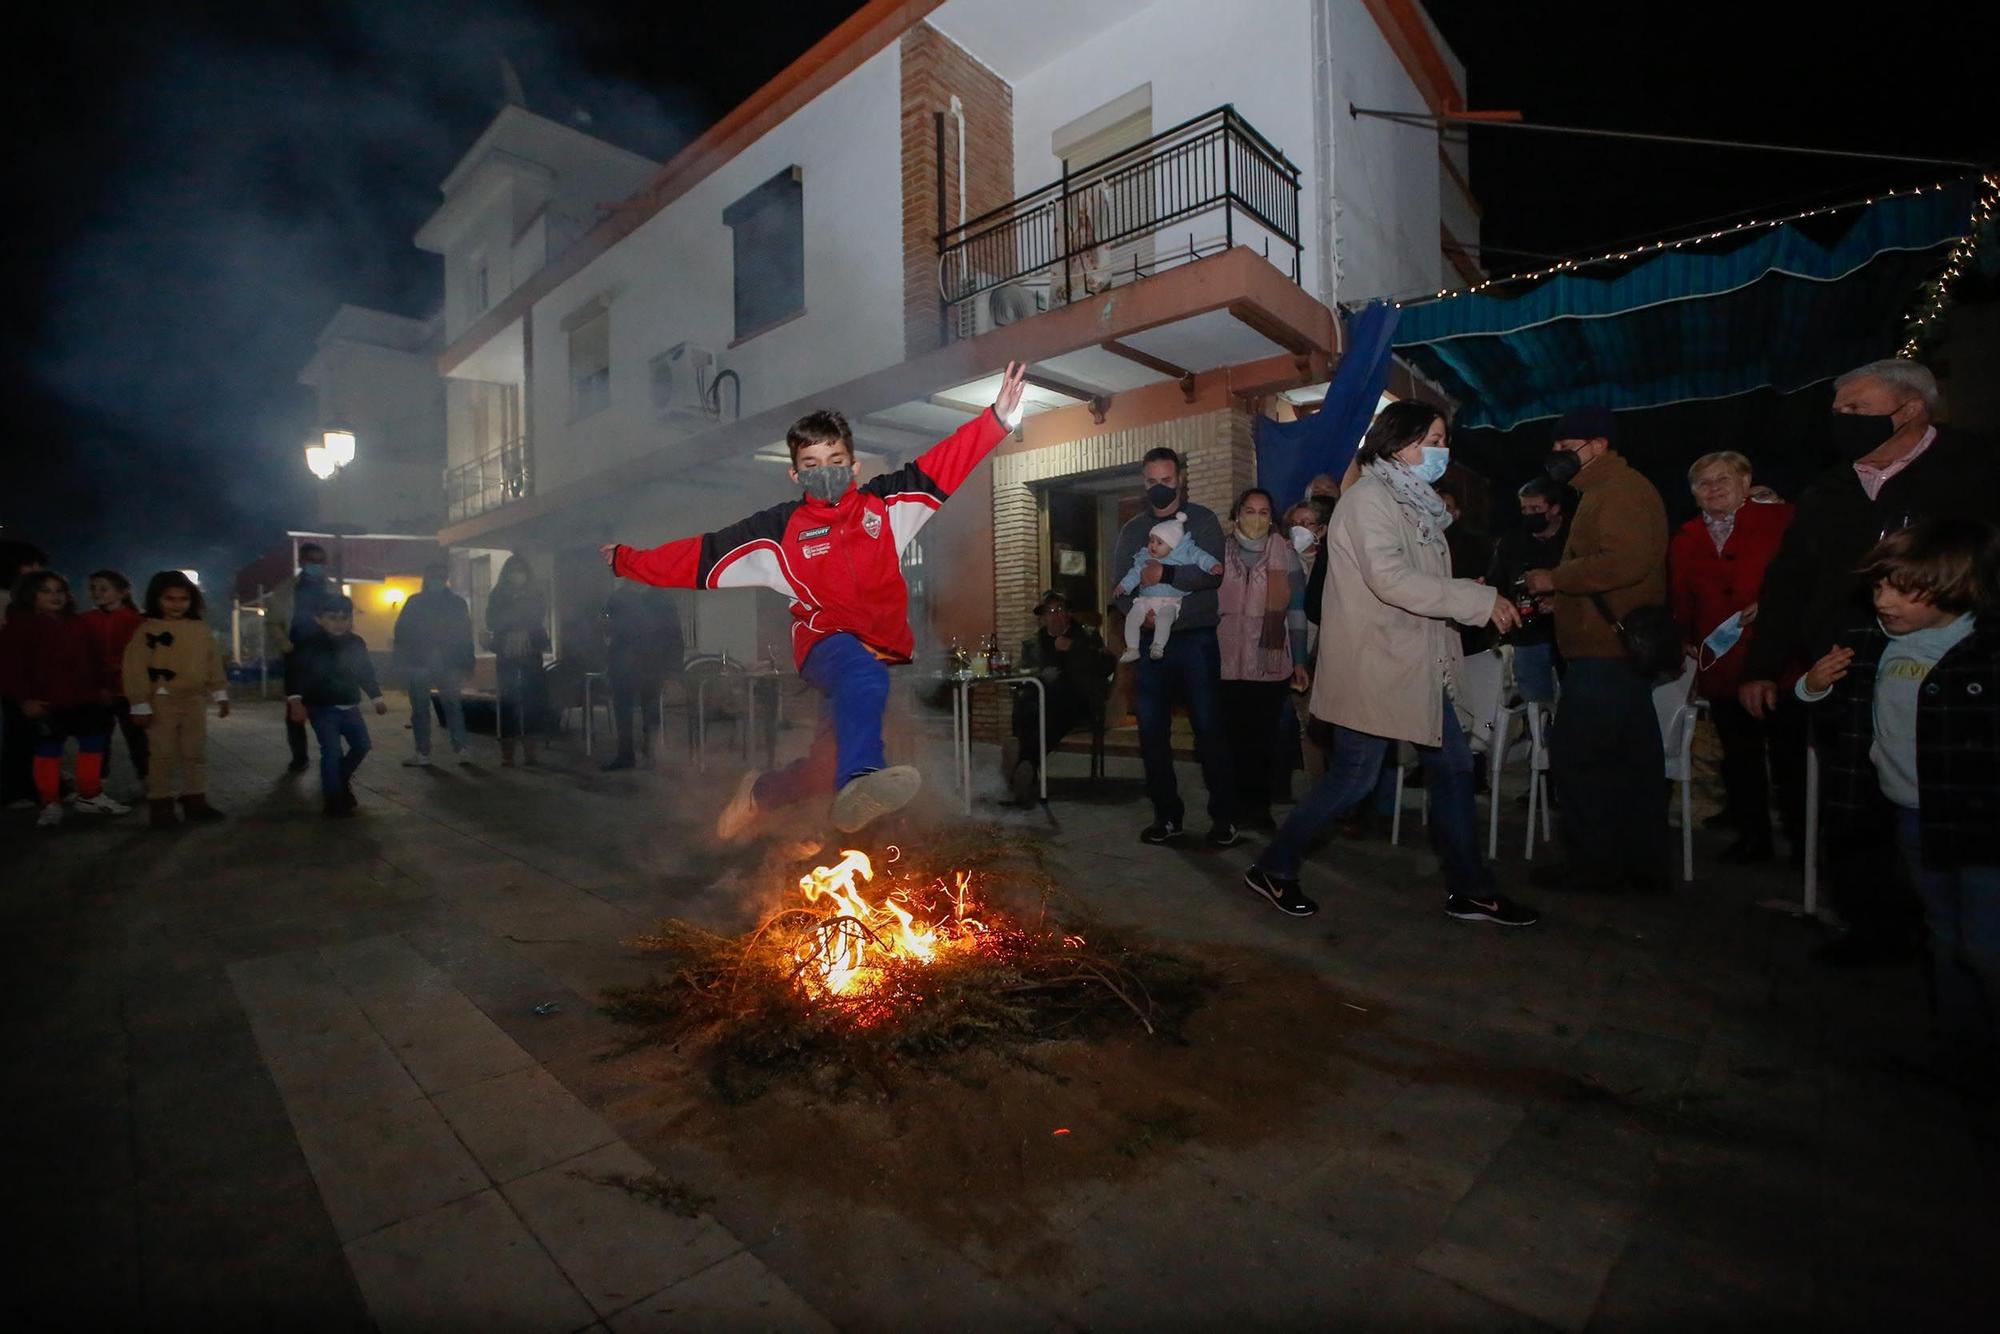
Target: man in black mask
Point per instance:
(1536, 545)
(1190, 672)
(1893, 466)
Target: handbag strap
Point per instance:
(1604, 610)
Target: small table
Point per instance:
(961, 723)
(749, 681)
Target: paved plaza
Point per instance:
(286, 1072)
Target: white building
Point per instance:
(1156, 202)
(376, 374)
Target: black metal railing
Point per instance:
(1214, 169)
(497, 477)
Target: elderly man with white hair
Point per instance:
(1895, 465)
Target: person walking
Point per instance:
(433, 651)
(1715, 572)
(307, 596)
(517, 626)
(1261, 631)
(1390, 666)
(1605, 753)
(643, 646)
(1190, 670)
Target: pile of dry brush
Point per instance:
(1041, 971)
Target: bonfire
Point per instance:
(869, 961)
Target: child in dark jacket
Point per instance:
(326, 675)
(1907, 717)
(836, 553)
(112, 621)
(51, 671)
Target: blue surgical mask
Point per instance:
(1723, 637)
(828, 482)
(1435, 460)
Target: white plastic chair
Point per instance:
(1538, 717)
(1678, 712)
(1406, 760)
(1489, 727)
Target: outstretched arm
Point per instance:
(913, 492)
(743, 555)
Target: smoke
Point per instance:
(258, 183)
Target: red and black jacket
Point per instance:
(840, 564)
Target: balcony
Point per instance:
(1202, 187)
(497, 477)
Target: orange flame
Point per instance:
(856, 934)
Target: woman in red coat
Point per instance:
(1716, 566)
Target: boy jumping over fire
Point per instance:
(837, 554)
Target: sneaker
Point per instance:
(870, 796)
(50, 817)
(418, 761)
(1166, 831)
(23, 804)
(740, 811)
(1497, 910)
(1282, 891)
(464, 757)
(298, 766)
(102, 804)
(1223, 836)
(1022, 780)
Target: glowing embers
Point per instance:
(860, 943)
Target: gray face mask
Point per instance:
(828, 482)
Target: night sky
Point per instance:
(196, 190)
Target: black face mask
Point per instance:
(1562, 466)
(1159, 495)
(1855, 434)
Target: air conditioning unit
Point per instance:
(680, 377)
(998, 307)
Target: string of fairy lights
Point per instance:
(1937, 292)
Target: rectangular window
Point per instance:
(590, 366)
(478, 288)
(770, 239)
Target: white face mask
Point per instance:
(1302, 538)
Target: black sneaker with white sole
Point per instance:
(1166, 831)
(1223, 836)
(1499, 911)
(1281, 891)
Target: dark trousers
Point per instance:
(1351, 778)
(17, 755)
(136, 747)
(1189, 673)
(1251, 711)
(333, 724)
(524, 694)
(1068, 711)
(295, 733)
(1748, 745)
(1610, 767)
(635, 689)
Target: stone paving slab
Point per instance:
(521, 1122)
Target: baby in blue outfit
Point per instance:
(1169, 544)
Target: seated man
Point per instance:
(1075, 670)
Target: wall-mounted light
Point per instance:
(319, 459)
(339, 444)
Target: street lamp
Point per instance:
(339, 444)
(333, 451)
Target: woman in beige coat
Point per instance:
(1389, 662)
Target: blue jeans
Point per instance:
(1535, 672)
(1610, 771)
(1962, 918)
(420, 709)
(854, 691)
(1351, 776)
(332, 724)
(1190, 673)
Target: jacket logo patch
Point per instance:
(871, 523)
(820, 531)
(811, 549)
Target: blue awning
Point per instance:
(1783, 310)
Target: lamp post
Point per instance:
(325, 457)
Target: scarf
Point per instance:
(1277, 586)
(1416, 497)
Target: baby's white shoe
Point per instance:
(1157, 652)
(1129, 655)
